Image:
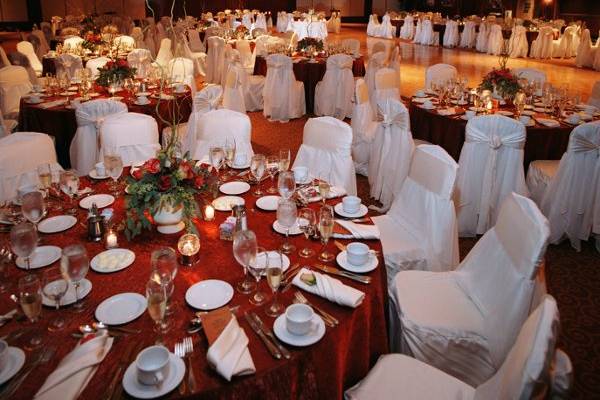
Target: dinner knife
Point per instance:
(267, 331)
(338, 272)
(118, 388)
(270, 346)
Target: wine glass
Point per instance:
(156, 298)
(23, 241)
(257, 169)
(30, 299)
(164, 269)
(272, 168)
(274, 275)
(33, 207)
(284, 160)
(55, 287)
(257, 266)
(244, 251)
(326, 222)
(217, 156)
(324, 187)
(45, 176)
(113, 163)
(286, 184)
(69, 184)
(286, 217)
(55, 192)
(306, 222)
(229, 149)
(74, 265)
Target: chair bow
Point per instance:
(495, 142)
(400, 118)
(582, 144)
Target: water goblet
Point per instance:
(113, 164)
(306, 222)
(217, 156)
(256, 267)
(257, 169)
(286, 184)
(287, 214)
(74, 265)
(55, 287)
(274, 276)
(229, 150)
(164, 266)
(69, 184)
(272, 168)
(244, 251)
(23, 241)
(33, 207)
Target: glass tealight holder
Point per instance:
(188, 246)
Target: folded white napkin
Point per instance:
(229, 354)
(51, 104)
(75, 370)
(334, 191)
(550, 123)
(358, 231)
(330, 288)
(447, 111)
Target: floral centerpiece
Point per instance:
(501, 81)
(91, 41)
(309, 43)
(113, 71)
(241, 32)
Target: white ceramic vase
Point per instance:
(169, 220)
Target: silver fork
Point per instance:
(179, 351)
(300, 297)
(188, 345)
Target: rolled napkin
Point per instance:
(355, 231)
(550, 123)
(447, 111)
(311, 193)
(52, 104)
(330, 288)
(75, 370)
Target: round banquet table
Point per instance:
(60, 121)
(310, 74)
(321, 371)
(542, 143)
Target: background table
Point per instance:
(322, 371)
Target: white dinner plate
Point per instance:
(32, 101)
(112, 260)
(121, 308)
(294, 230)
(505, 113)
(234, 188)
(268, 203)
(528, 112)
(209, 294)
(94, 175)
(133, 387)
(101, 200)
(339, 209)
(15, 359)
(540, 110)
(262, 261)
(58, 223)
(315, 334)
(426, 107)
(41, 257)
(85, 287)
(370, 265)
(225, 203)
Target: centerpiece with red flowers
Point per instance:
(310, 44)
(501, 81)
(91, 41)
(241, 31)
(115, 71)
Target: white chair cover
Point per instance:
(376, 62)
(391, 151)
(44, 48)
(334, 23)
(164, 53)
(566, 45)
(141, 60)
(363, 128)
(495, 43)
(124, 43)
(14, 83)
(181, 70)
(352, 45)
(373, 27)
(198, 58)
(451, 36)
(247, 20)
(585, 53)
(594, 99)
(85, 146)
(214, 127)
(233, 93)
(316, 29)
(283, 96)
(196, 44)
(440, 74)
(491, 167)
(96, 63)
(138, 36)
(387, 30)
(215, 59)
(427, 36)
(26, 49)
(541, 47)
(418, 31)
(261, 22)
(517, 44)
(3, 58)
(407, 30)
(72, 42)
(67, 64)
(469, 35)
(282, 21)
(246, 57)
(151, 39)
(531, 74)
(20, 155)
(333, 94)
(482, 38)
(387, 85)
(326, 152)
(7, 125)
(133, 135)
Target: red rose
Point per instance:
(199, 181)
(138, 173)
(185, 170)
(152, 166)
(164, 183)
(109, 64)
(122, 63)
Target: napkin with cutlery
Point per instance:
(52, 104)
(228, 350)
(351, 230)
(75, 370)
(550, 123)
(311, 193)
(330, 288)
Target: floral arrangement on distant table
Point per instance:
(501, 81)
(309, 43)
(241, 32)
(113, 71)
(91, 41)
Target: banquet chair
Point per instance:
(427, 34)
(14, 83)
(568, 190)
(451, 36)
(490, 168)
(395, 64)
(333, 94)
(215, 59)
(517, 44)
(26, 49)
(353, 45)
(72, 42)
(541, 47)
(196, 44)
(565, 46)
(468, 36)
(94, 64)
(252, 87)
(18, 170)
(387, 85)
(283, 95)
(481, 43)
(585, 51)
(376, 62)
(214, 127)
(164, 54)
(418, 30)
(373, 27)
(260, 22)
(376, 46)
(134, 136)
(407, 30)
(524, 373)
(386, 29)
(531, 74)
(124, 43)
(326, 151)
(334, 23)
(247, 21)
(3, 58)
(495, 44)
(21, 60)
(181, 70)
(44, 48)
(363, 126)
(198, 58)
(439, 74)
(289, 38)
(138, 36)
(246, 59)
(233, 91)
(282, 21)
(467, 328)
(317, 29)
(7, 126)
(391, 151)
(85, 146)
(67, 64)
(594, 99)
(141, 60)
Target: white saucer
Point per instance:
(339, 209)
(58, 223)
(268, 203)
(505, 113)
(112, 260)
(101, 200)
(85, 287)
(262, 261)
(41, 257)
(294, 229)
(121, 308)
(528, 112)
(225, 203)
(234, 188)
(370, 265)
(134, 388)
(14, 362)
(244, 166)
(94, 175)
(313, 336)
(209, 294)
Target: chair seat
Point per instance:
(539, 176)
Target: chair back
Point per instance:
(94, 64)
(124, 43)
(531, 74)
(333, 96)
(181, 70)
(14, 83)
(233, 93)
(26, 48)
(196, 44)
(440, 74)
(386, 84)
(164, 53)
(72, 42)
(134, 136)
(353, 45)
(141, 60)
(214, 127)
(3, 58)
(279, 87)
(594, 99)
(215, 59)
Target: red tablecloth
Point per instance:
(322, 371)
(310, 74)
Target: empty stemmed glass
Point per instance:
(326, 222)
(286, 184)
(274, 275)
(164, 269)
(256, 267)
(244, 251)
(217, 156)
(33, 207)
(55, 287)
(286, 217)
(306, 222)
(229, 150)
(30, 299)
(74, 265)
(272, 168)
(113, 164)
(156, 298)
(257, 169)
(69, 184)
(23, 241)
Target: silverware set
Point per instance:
(335, 271)
(184, 350)
(258, 328)
(39, 358)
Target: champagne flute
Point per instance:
(217, 155)
(164, 269)
(256, 267)
(257, 169)
(30, 299)
(229, 149)
(74, 265)
(69, 184)
(244, 251)
(286, 217)
(23, 241)
(284, 160)
(45, 176)
(272, 168)
(324, 188)
(286, 184)
(113, 163)
(33, 207)
(55, 190)
(274, 276)
(306, 222)
(55, 287)
(156, 297)
(326, 222)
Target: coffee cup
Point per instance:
(34, 98)
(142, 99)
(298, 318)
(420, 93)
(573, 118)
(152, 365)
(351, 204)
(240, 159)
(3, 355)
(470, 114)
(300, 174)
(428, 104)
(357, 253)
(100, 170)
(525, 119)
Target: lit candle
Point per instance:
(189, 246)
(111, 240)
(489, 106)
(209, 213)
